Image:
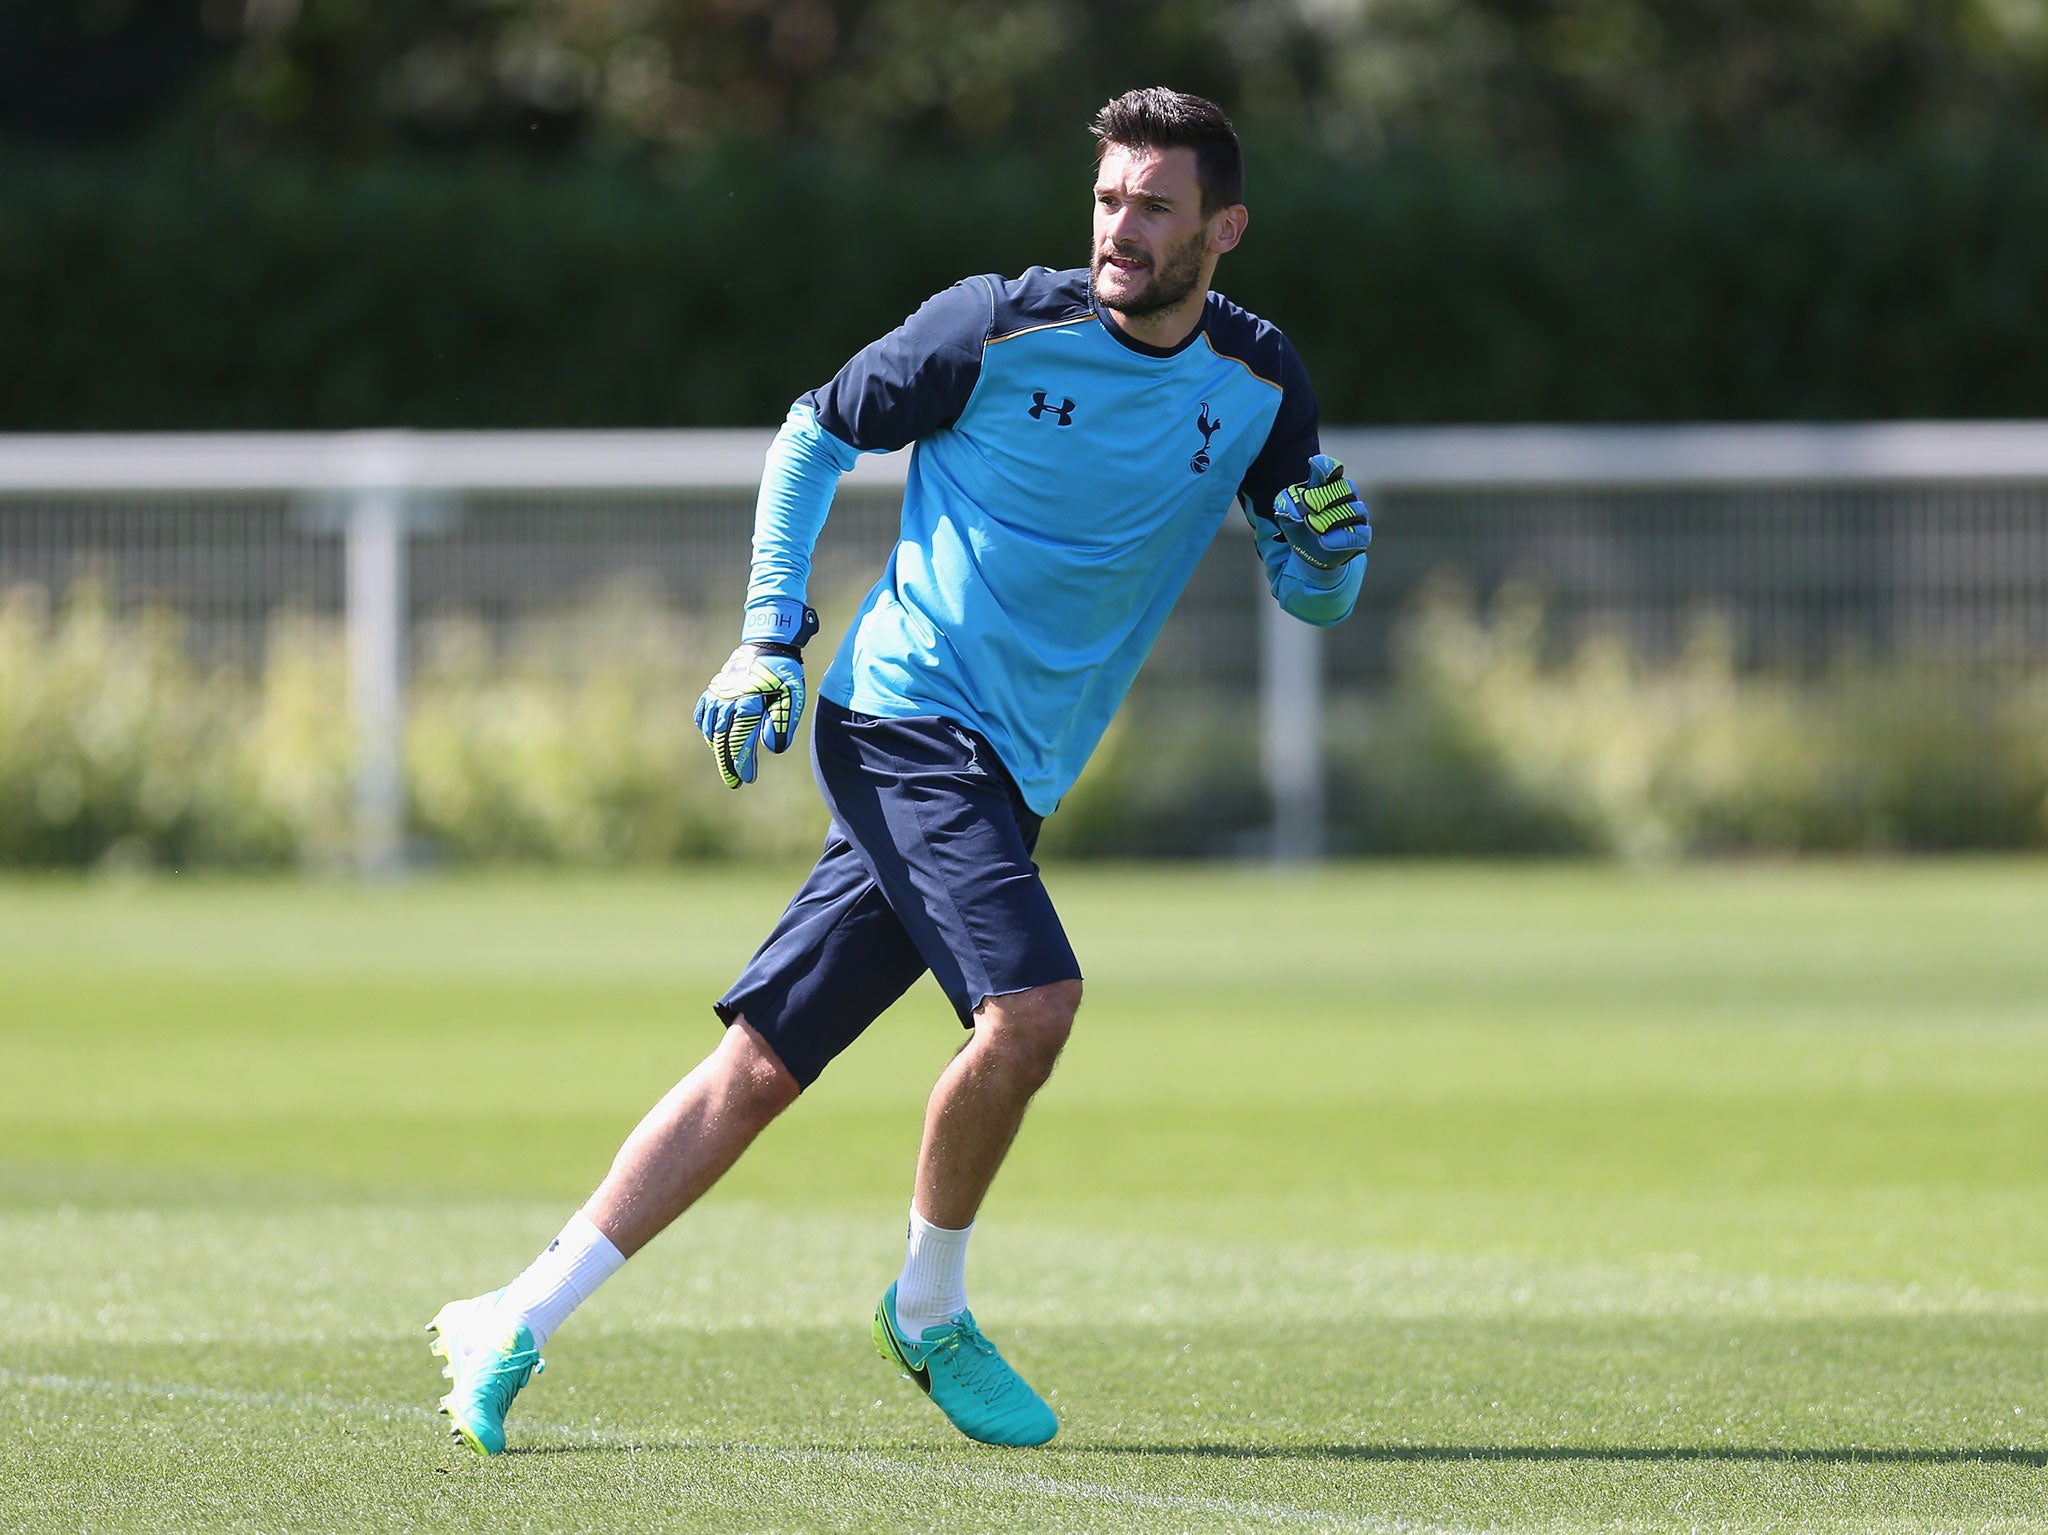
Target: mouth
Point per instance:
(1121, 263)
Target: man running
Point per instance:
(1079, 438)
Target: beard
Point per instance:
(1173, 278)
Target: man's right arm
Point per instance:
(797, 484)
(910, 383)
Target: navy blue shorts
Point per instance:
(927, 866)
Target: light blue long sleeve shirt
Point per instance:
(1065, 481)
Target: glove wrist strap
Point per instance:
(779, 622)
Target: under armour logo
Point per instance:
(1200, 462)
(1040, 405)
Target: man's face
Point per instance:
(1151, 241)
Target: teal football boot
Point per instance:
(488, 1363)
(972, 1384)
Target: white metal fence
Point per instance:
(1933, 536)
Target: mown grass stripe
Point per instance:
(967, 1478)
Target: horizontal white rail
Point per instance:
(382, 482)
(300, 461)
(1382, 458)
(1884, 452)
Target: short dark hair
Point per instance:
(1157, 118)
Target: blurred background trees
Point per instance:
(529, 212)
(249, 214)
(1349, 77)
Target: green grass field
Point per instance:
(1398, 1199)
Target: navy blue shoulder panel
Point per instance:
(1040, 297)
(916, 380)
(1245, 338)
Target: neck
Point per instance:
(1169, 327)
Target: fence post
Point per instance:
(374, 541)
(1291, 728)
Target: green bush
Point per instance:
(568, 739)
(163, 292)
(570, 743)
(574, 742)
(1483, 747)
(115, 747)
(1175, 776)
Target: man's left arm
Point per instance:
(1311, 527)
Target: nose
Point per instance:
(1116, 222)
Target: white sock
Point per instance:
(562, 1278)
(933, 1287)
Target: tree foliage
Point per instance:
(557, 212)
(1355, 77)
(162, 294)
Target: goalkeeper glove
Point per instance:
(758, 695)
(1324, 519)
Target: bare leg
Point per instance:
(689, 1139)
(979, 1102)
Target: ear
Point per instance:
(1226, 228)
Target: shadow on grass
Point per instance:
(1851, 1455)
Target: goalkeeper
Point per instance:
(1079, 438)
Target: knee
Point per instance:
(1034, 1024)
(758, 1086)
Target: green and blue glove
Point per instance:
(758, 695)
(1324, 519)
